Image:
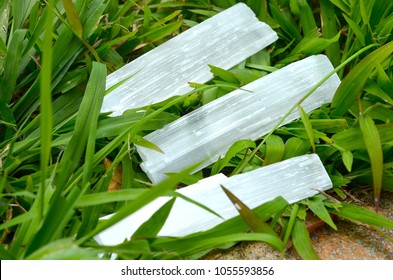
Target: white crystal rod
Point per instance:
(207, 133)
(224, 40)
(293, 179)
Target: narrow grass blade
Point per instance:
(237, 147)
(353, 83)
(307, 18)
(154, 224)
(64, 249)
(87, 117)
(363, 215)
(291, 222)
(108, 197)
(73, 17)
(307, 126)
(4, 254)
(329, 30)
(98, 75)
(46, 120)
(302, 242)
(284, 21)
(373, 144)
(316, 205)
(249, 216)
(138, 203)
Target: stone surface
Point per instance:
(207, 133)
(293, 179)
(224, 40)
(350, 242)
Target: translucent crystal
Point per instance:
(293, 179)
(206, 134)
(224, 40)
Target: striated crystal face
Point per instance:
(224, 41)
(293, 179)
(207, 133)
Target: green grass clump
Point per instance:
(54, 58)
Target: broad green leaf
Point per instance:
(154, 224)
(347, 157)
(140, 141)
(311, 44)
(224, 74)
(275, 149)
(73, 17)
(352, 139)
(296, 147)
(363, 215)
(353, 83)
(236, 147)
(302, 242)
(317, 206)
(328, 123)
(374, 148)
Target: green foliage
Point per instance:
(54, 58)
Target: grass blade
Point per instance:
(275, 149)
(329, 30)
(316, 205)
(353, 83)
(46, 121)
(249, 216)
(363, 215)
(307, 126)
(373, 144)
(236, 147)
(73, 17)
(302, 242)
(152, 226)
